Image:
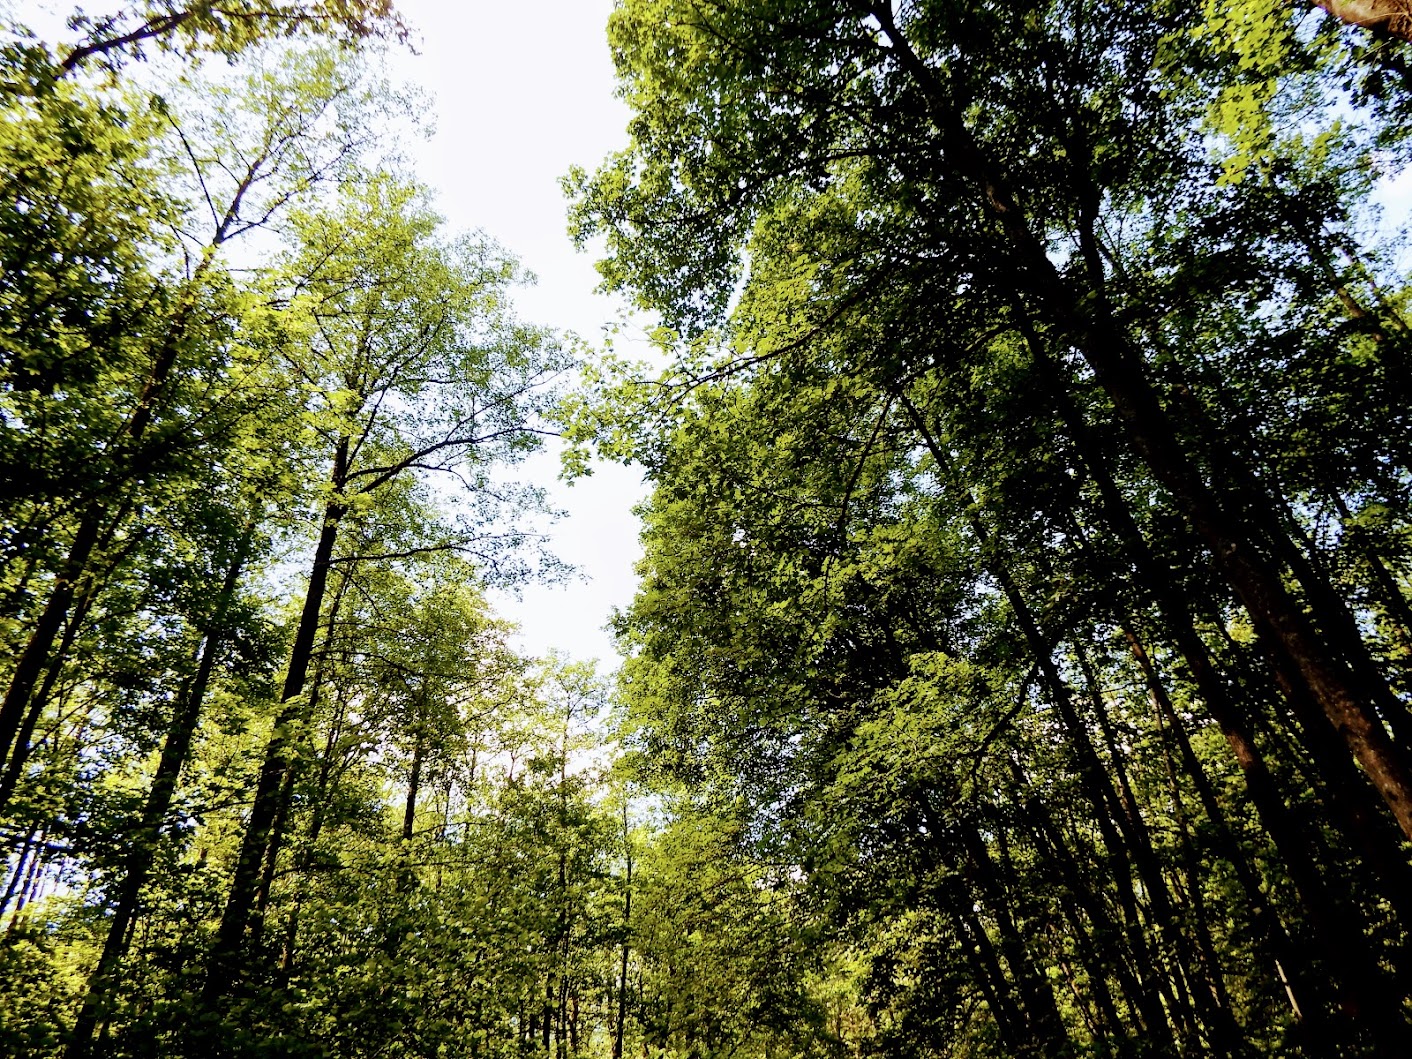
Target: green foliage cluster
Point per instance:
(1026, 567)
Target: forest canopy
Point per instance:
(1022, 658)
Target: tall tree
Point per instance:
(996, 246)
(413, 364)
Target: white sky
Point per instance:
(518, 101)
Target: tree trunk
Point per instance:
(38, 648)
(1332, 925)
(1108, 937)
(1393, 17)
(22, 748)
(1220, 515)
(1046, 1026)
(627, 943)
(1092, 779)
(29, 881)
(1213, 1009)
(414, 781)
(17, 875)
(1302, 992)
(223, 968)
(991, 980)
(148, 833)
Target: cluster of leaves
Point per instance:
(1027, 562)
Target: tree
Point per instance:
(996, 248)
(412, 364)
(222, 28)
(175, 366)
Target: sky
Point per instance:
(518, 102)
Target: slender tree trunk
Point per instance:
(1220, 1009)
(13, 772)
(37, 652)
(274, 845)
(38, 649)
(1356, 967)
(564, 1035)
(148, 833)
(1036, 996)
(1335, 622)
(546, 1028)
(223, 968)
(1109, 938)
(1396, 610)
(1284, 955)
(621, 1019)
(1213, 1008)
(319, 809)
(991, 980)
(1354, 809)
(12, 887)
(22, 748)
(414, 782)
(1095, 964)
(1092, 778)
(29, 881)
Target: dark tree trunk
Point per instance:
(148, 833)
(22, 748)
(1109, 938)
(1285, 956)
(38, 649)
(1092, 778)
(1223, 515)
(12, 887)
(414, 782)
(621, 1015)
(1214, 1009)
(1047, 1030)
(223, 969)
(990, 979)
